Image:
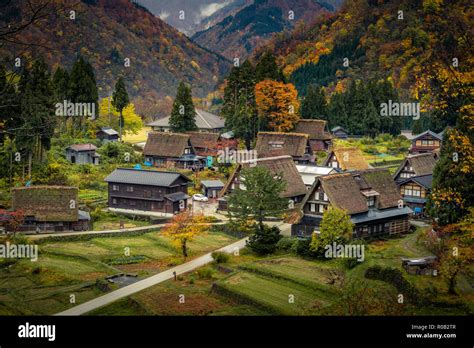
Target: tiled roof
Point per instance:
(204, 120)
(143, 177)
(83, 147)
(212, 183)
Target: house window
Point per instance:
(115, 187)
(325, 197)
(427, 142)
(321, 196)
(334, 164)
(371, 201)
(129, 188)
(147, 193)
(312, 207)
(114, 201)
(321, 208)
(187, 151)
(412, 190)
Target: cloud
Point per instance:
(163, 15)
(210, 9)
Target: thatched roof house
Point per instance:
(47, 203)
(205, 144)
(415, 165)
(370, 197)
(319, 136)
(348, 158)
(166, 144)
(296, 145)
(282, 165)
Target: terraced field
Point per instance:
(68, 267)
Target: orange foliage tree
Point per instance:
(183, 228)
(277, 105)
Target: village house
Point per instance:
(346, 159)
(415, 165)
(319, 137)
(209, 144)
(172, 150)
(205, 122)
(82, 154)
(369, 197)
(340, 132)
(147, 191)
(211, 188)
(309, 173)
(426, 142)
(49, 209)
(281, 165)
(414, 178)
(296, 145)
(107, 134)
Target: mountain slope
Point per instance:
(108, 32)
(198, 14)
(238, 35)
(376, 40)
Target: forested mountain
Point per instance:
(111, 34)
(197, 15)
(238, 35)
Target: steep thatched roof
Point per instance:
(316, 129)
(204, 140)
(349, 158)
(271, 144)
(349, 191)
(164, 144)
(47, 203)
(422, 164)
(282, 165)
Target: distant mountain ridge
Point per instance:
(239, 34)
(106, 33)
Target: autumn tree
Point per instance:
(336, 226)
(183, 228)
(259, 198)
(453, 179)
(109, 116)
(120, 101)
(277, 105)
(183, 115)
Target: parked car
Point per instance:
(200, 198)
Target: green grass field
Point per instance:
(265, 285)
(72, 267)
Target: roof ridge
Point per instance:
(285, 133)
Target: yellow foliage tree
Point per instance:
(109, 116)
(183, 228)
(277, 105)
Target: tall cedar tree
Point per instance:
(277, 105)
(267, 68)
(183, 114)
(337, 112)
(314, 105)
(37, 115)
(239, 108)
(120, 101)
(260, 199)
(82, 88)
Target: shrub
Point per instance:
(192, 280)
(287, 244)
(220, 257)
(264, 242)
(303, 247)
(205, 273)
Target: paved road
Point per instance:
(148, 282)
